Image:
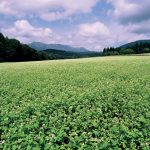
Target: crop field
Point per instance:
(85, 104)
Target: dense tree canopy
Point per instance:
(137, 48)
(13, 50)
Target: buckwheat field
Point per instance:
(93, 103)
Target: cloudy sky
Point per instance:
(93, 24)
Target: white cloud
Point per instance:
(132, 19)
(90, 36)
(52, 16)
(48, 10)
(94, 36)
(25, 32)
(5, 8)
(94, 29)
(123, 34)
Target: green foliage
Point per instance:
(13, 50)
(51, 54)
(146, 50)
(127, 51)
(98, 103)
(133, 48)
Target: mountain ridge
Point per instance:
(39, 46)
(130, 44)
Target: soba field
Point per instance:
(87, 104)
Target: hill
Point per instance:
(60, 54)
(136, 47)
(42, 46)
(131, 44)
(13, 50)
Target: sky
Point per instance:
(93, 24)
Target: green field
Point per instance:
(93, 103)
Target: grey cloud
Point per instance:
(140, 28)
(131, 11)
(139, 16)
(141, 31)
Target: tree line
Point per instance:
(136, 48)
(11, 50)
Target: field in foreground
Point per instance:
(97, 103)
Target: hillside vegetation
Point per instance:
(42, 46)
(137, 47)
(93, 103)
(12, 50)
(52, 54)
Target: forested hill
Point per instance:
(13, 50)
(133, 44)
(137, 47)
(60, 54)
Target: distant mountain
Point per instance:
(60, 54)
(12, 50)
(132, 44)
(42, 46)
